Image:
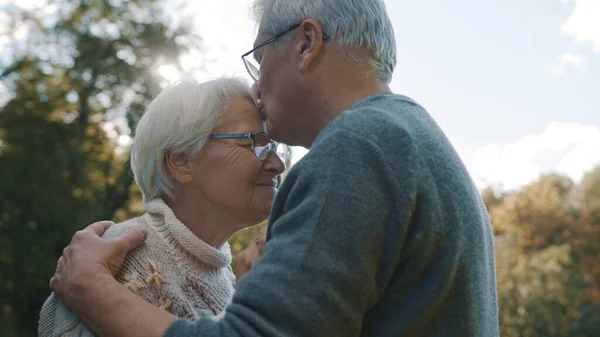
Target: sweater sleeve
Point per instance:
(335, 242)
(58, 321)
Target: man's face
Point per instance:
(279, 88)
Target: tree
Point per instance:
(77, 88)
(541, 213)
(547, 262)
(590, 195)
(540, 293)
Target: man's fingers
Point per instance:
(99, 227)
(131, 240)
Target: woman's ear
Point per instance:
(179, 167)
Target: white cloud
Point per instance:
(569, 149)
(584, 23)
(583, 26)
(565, 61)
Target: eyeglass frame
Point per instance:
(253, 136)
(247, 63)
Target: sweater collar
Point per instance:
(163, 220)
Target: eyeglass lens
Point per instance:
(252, 68)
(263, 147)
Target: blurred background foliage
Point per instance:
(547, 256)
(73, 90)
(76, 86)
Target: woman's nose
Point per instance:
(274, 163)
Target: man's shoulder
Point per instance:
(377, 131)
(380, 118)
(381, 122)
(388, 106)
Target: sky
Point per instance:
(514, 84)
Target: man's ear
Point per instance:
(310, 46)
(179, 167)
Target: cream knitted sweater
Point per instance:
(173, 270)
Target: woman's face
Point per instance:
(228, 174)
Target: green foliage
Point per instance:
(89, 70)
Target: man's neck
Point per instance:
(341, 95)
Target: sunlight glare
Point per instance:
(169, 72)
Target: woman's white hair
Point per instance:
(351, 24)
(179, 120)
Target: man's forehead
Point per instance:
(261, 37)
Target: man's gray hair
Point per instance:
(179, 120)
(352, 24)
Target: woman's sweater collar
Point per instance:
(162, 219)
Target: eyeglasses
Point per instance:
(252, 67)
(262, 144)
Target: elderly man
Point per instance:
(378, 231)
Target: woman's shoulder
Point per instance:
(128, 226)
(143, 261)
(146, 252)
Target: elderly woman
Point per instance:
(206, 168)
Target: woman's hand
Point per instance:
(248, 257)
(89, 259)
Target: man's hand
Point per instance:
(88, 259)
(248, 257)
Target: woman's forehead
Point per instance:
(241, 116)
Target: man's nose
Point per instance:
(255, 92)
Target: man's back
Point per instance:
(443, 283)
(378, 231)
